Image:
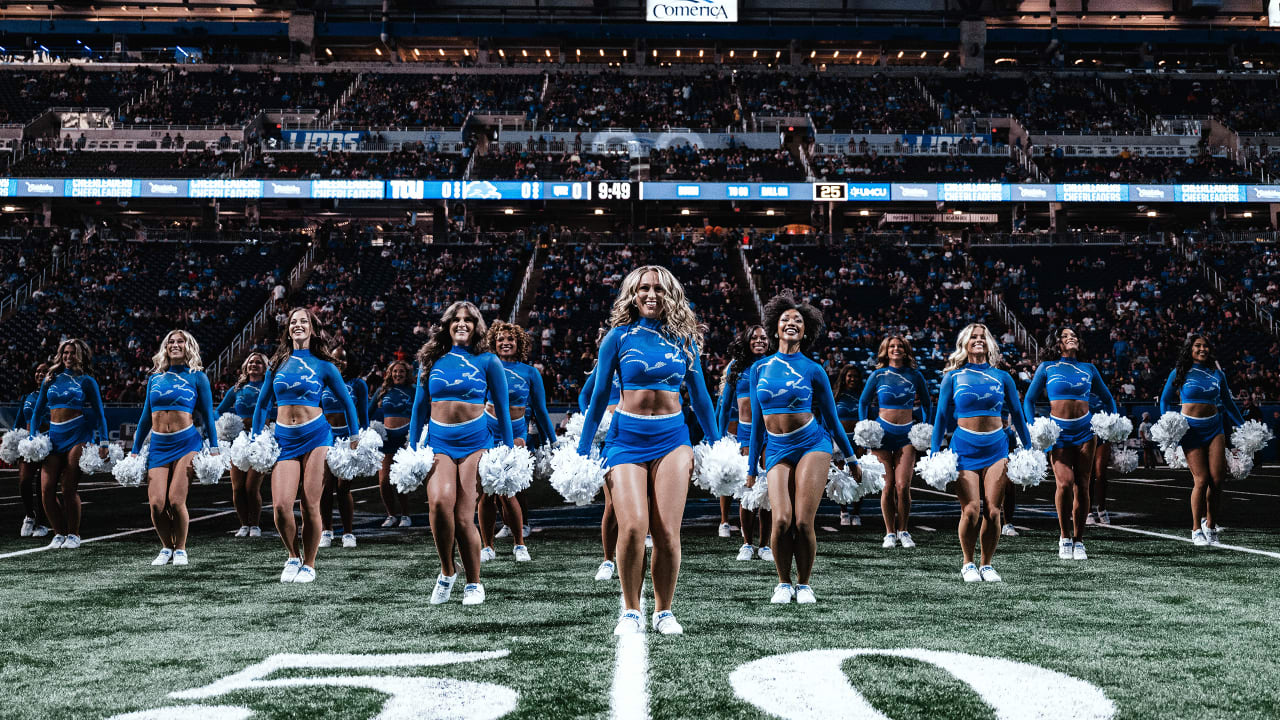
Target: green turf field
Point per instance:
(1149, 627)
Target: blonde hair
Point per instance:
(160, 361)
(676, 316)
(80, 358)
(243, 379)
(882, 355)
(960, 356)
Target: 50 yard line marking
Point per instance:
(629, 697)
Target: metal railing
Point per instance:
(524, 284)
(244, 339)
(1030, 348)
(1221, 286)
(751, 282)
(24, 291)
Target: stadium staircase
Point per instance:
(1217, 283)
(10, 304)
(524, 300)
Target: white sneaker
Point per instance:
(180, 557)
(782, 594)
(28, 525)
(487, 554)
(472, 594)
(665, 623)
(605, 571)
(255, 531)
(527, 530)
(726, 530)
(1104, 517)
(348, 540)
(305, 575)
(405, 521)
(648, 541)
(855, 521)
(1064, 548)
(844, 518)
(1212, 535)
(390, 521)
(243, 532)
(521, 552)
(970, 573)
(629, 623)
(890, 541)
(1197, 538)
(746, 552)
(764, 553)
(326, 538)
(1077, 551)
(40, 531)
(904, 538)
(291, 569)
(989, 574)
(1091, 519)
(503, 532)
(163, 558)
(71, 543)
(805, 596)
(443, 589)
(57, 541)
(1009, 530)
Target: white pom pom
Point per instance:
(1124, 460)
(921, 436)
(35, 449)
(719, 468)
(1111, 427)
(1044, 433)
(368, 452)
(132, 470)
(1239, 462)
(1175, 457)
(575, 477)
(409, 467)
(842, 488)
(341, 459)
(1169, 430)
(572, 429)
(939, 469)
(229, 425)
(379, 428)
(9, 446)
(1251, 437)
(209, 467)
(872, 471)
(1027, 467)
(263, 450)
(506, 470)
(91, 462)
(238, 452)
(542, 460)
(868, 434)
(755, 497)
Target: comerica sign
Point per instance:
(696, 11)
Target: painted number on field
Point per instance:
(813, 684)
(408, 698)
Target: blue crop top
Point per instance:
(241, 400)
(1067, 379)
(978, 390)
(461, 376)
(301, 380)
(847, 408)
(178, 389)
(1203, 385)
(584, 396)
(727, 407)
(791, 383)
(358, 389)
(396, 402)
(646, 359)
(525, 390)
(75, 392)
(894, 389)
(28, 410)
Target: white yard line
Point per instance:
(1220, 546)
(1228, 490)
(629, 697)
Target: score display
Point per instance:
(613, 190)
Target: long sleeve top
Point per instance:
(894, 388)
(184, 390)
(584, 396)
(1204, 385)
(525, 390)
(727, 406)
(358, 389)
(1066, 379)
(461, 376)
(241, 400)
(396, 401)
(71, 391)
(978, 390)
(301, 380)
(786, 383)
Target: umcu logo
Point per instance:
(868, 192)
(692, 11)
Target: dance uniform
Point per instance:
(1068, 379)
(301, 380)
(978, 390)
(330, 404)
(396, 402)
(894, 389)
(241, 400)
(727, 410)
(461, 376)
(645, 357)
(27, 414)
(184, 390)
(75, 392)
(788, 383)
(1205, 385)
(615, 391)
(524, 390)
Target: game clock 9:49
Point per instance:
(613, 190)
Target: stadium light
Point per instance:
(864, 213)
(777, 55)
(416, 53)
(624, 52)
(812, 54)
(946, 55)
(466, 52)
(755, 54)
(378, 51)
(684, 211)
(835, 54)
(502, 53)
(328, 52)
(1151, 213)
(9, 208)
(601, 52)
(599, 211)
(441, 51)
(731, 53)
(923, 53)
(524, 52)
(509, 211)
(1248, 214)
(859, 55)
(769, 212)
(899, 54)
(655, 53)
(677, 52)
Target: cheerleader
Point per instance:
(1068, 381)
(1101, 470)
(848, 380)
(735, 394)
(393, 406)
(895, 387)
(298, 374)
(453, 381)
(1196, 387)
(526, 395)
(792, 402)
(974, 394)
(246, 485)
(33, 521)
(73, 401)
(654, 349)
(358, 389)
(608, 520)
(177, 396)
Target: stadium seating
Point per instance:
(233, 97)
(413, 101)
(25, 94)
(408, 162)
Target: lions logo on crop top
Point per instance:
(975, 388)
(673, 358)
(793, 384)
(896, 389)
(465, 374)
(1067, 379)
(171, 388)
(307, 380)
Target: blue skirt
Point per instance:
(792, 446)
(340, 431)
(461, 439)
(744, 434)
(1201, 431)
(634, 439)
(896, 436)
(978, 451)
(1075, 433)
(298, 440)
(396, 439)
(167, 448)
(519, 429)
(65, 436)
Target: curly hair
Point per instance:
(387, 382)
(1052, 349)
(524, 343)
(441, 340)
(80, 358)
(318, 344)
(740, 357)
(243, 378)
(960, 355)
(1184, 362)
(676, 315)
(882, 354)
(812, 317)
(160, 361)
